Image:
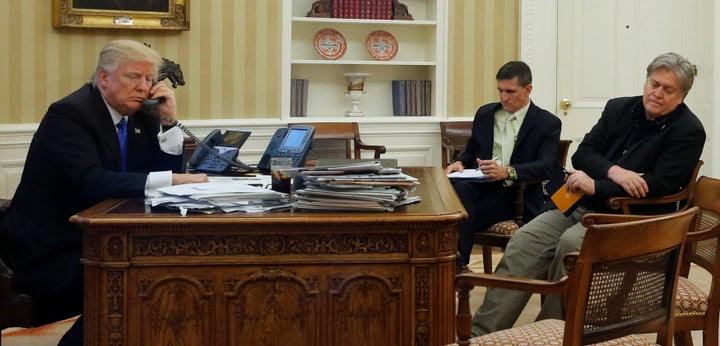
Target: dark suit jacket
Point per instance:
(666, 155)
(73, 163)
(534, 155)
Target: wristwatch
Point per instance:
(512, 175)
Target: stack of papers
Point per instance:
(213, 197)
(355, 187)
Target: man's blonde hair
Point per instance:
(121, 51)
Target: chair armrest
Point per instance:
(623, 203)
(707, 225)
(601, 218)
(379, 149)
(470, 280)
(465, 282)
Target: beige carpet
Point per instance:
(50, 334)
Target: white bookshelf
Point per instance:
(421, 54)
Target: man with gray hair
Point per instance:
(94, 144)
(642, 146)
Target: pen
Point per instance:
(494, 159)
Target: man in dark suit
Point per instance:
(75, 161)
(642, 146)
(511, 140)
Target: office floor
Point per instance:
(50, 334)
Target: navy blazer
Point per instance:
(534, 156)
(666, 155)
(73, 163)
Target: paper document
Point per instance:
(474, 174)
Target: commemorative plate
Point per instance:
(381, 45)
(330, 44)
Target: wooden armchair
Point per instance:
(695, 308)
(681, 199)
(621, 283)
(453, 139)
(698, 309)
(339, 140)
(500, 233)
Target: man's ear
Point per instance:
(102, 78)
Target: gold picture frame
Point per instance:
(129, 14)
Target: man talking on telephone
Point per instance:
(94, 144)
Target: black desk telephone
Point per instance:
(295, 142)
(218, 151)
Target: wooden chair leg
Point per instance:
(683, 338)
(710, 334)
(487, 259)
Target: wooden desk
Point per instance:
(280, 278)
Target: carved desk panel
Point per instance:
(300, 278)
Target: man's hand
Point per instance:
(579, 181)
(492, 170)
(166, 109)
(632, 182)
(184, 178)
(456, 166)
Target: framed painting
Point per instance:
(122, 14)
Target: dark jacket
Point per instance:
(665, 151)
(534, 156)
(73, 163)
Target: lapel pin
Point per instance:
(137, 131)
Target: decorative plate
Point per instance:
(381, 45)
(330, 44)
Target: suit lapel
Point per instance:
(486, 133)
(527, 124)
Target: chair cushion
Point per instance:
(544, 332)
(503, 229)
(690, 300)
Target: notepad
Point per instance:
(565, 200)
(468, 174)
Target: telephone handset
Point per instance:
(217, 152)
(295, 142)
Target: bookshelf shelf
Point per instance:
(366, 21)
(421, 56)
(362, 62)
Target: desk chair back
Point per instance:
(454, 137)
(339, 140)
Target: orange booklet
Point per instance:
(564, 199)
